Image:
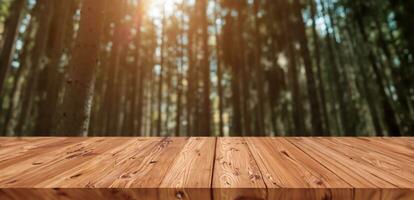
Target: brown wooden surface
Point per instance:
(206, 168)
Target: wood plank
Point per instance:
(192, 171)
(150, 171)
(392, 186)
(88, 174)
(403, 148)
(35, 158)
(379, 155)
(373, 163)
(75, 193)
(55, 163)
(147, 172)
(11, 143)
(25, 148)
(206, 168)
(236, 174)
(291, 174)
(142, 168)
(355, 176)
(407, 142)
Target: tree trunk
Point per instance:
(43, 15)
(350, 125)
(316, 122)
(191, 88)
(367, 91)
(180, 78)
(219, 71)
(242, 67)
(48, 87)
(161, 77)
(10, 36)
(79, 90)
(298, 111)
(403, 10)
(261, 114)
(206, 110)
(317, 56)
(389, 113)
(17, 94)
(335, 74)
(136, 87)
(112, 99)
(405, 108)
(231, 61)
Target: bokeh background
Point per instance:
(206, 67)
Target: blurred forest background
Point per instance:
(207, 67)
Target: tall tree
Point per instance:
(10, 36)
(80, 83)
(162, 66)
(298, 120)
(389, 113)
(207, 67)
(206, 111)
(318, 64)
(231, 60)
(261, 114)
(134, 123)
(48, 88)
(112, 97)
(219, 72)
(316, 117)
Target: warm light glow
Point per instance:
(156, 7)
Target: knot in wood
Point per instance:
(179, 195)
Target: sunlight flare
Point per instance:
(157, 7)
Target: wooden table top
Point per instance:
(206, 168)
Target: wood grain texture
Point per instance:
(236, 174)
(341, 166)
(206, 168)
(372, 174)
(291, 174)
(191, 174)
